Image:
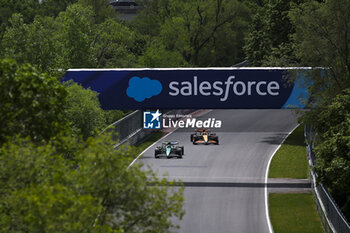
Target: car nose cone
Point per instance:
(167, 151)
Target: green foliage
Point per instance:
(268, 42)
(9, 7)
(34, 43)
(114, 45)
(53, 7)
(328, 119)
(205, 33)
(112, 116)
(49, 208)
(43, 191)
(148, 21)
(71, 40)
(13, 43)
(32, 103)
(84, 111)
(29, 10)
(333, 149)
(87, 34)
(257, 44)
(156, 55)
(322, 39)
(37, 105)
(101, 8)
(76, 37)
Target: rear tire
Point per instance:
(156, 154)
(182, 150)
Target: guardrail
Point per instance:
(126, 129)
(332, 218)
(129, 130)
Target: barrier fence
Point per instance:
(331, 216)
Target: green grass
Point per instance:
(290, 160)
(294, 213)
(149, 141)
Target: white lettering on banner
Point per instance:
(192, 123)
(222, 89)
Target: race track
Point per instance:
(225, 184)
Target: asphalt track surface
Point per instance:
(224, 184)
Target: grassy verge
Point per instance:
(290, 160)
(149, 141)
(294, 213)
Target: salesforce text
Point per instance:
(216, 88)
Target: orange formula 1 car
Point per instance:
(204, 136)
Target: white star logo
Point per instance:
(156, 115)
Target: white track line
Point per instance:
(160, 140)
(266, 174)
(266, 178)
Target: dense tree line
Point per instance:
(89, 34)
(313, 34)
(55, 35)
(72, 185)
(57, 176)
(322, 39)
(56, 173)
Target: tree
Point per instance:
(34, 42)
(148, 21)
(5, 14)
(32, 103)
(268, 42)
(114, 44)
(333, 149)
(101, 8)
(52, 8)
(29, 10)
(193, 28)
(257, 45)
(9, 7)
(71, 40)
(76, 38)
(83, 111)
(92, 190)
(322, 39)
(13, 42)
(205, 33)
(156, 55)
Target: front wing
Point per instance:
(202, 141)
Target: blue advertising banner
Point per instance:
(202, 88)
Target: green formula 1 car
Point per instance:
(169, 149)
